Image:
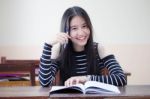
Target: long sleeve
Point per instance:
(48, 69)
(116, 75)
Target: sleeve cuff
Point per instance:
(48, 45)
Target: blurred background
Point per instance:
(122, 26)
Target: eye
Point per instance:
(85, 26)
(73, 28)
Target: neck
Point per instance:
(78, 48)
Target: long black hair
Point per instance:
(66, 53)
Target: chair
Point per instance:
(15, 61)
(20, 67)
(34, 65)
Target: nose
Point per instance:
(81, 32)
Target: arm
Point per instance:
(48, 68)
(116, 75)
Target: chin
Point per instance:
(82, 43)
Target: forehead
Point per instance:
(77, 20)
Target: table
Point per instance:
(24, 92)
(127, 92)
(37, 92)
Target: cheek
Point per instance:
(88, 31)
(72, 35)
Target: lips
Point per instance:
(81, 38)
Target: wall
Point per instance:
(122, 26)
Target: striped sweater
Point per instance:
(48, 69)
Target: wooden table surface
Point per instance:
(37, 92)
(24, 92)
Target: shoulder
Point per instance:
(102, 51)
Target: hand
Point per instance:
(75, 80)
(61, 38)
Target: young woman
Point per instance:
(74, 53)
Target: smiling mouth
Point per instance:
(81, 38)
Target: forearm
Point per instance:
(115, 76)
(113, 79)
(48, 68)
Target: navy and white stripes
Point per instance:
(116, 75)
(48, 69)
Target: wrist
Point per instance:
(48, 45)
(51, 42)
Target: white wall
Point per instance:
(122, 25)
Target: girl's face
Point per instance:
(79, 33)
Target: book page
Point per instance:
(101, 87)
(78, 88)
(54, 88)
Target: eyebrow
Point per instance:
(76, 26)
(73, 26)
(84, 23)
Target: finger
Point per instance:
(68, 36)
(77, 81)
(67, 83)
(64, 37)
(61, 41)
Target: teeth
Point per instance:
(82, 38)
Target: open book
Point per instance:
(90, 87)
